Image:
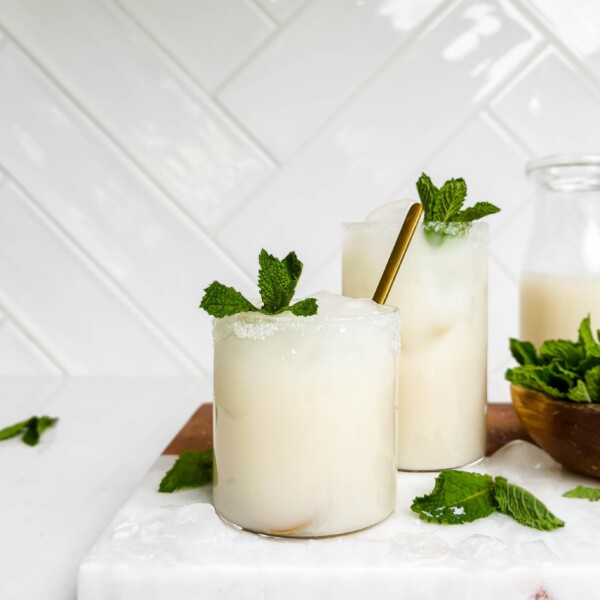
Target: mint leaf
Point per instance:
(579, 393)
(444, 205)
(222, 301)
(586, 493)
(562, 377)
(586, 339)
(277, 280)
(32, 429)
(36, 427)
(13, 430)
(193, 468)
(475, 212)
(523, 352)
(461, 497)
(564, 369)
(457, 497)
(569, 353)
(536, 378)
(427, 193)
(524, 507)
(304, 308)
(587, 364)
(450, 199)
(592, 382)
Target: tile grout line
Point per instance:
(67, 239)
(484, 105)
(504, 129)
(491, 113)
(194, 90)
(488, 114)
(281, 22)
(536, 56)
(548, 32)
(252, 55)
(168, 200)
(480, 109)
(352, 96)
(262, 13)
(33, 340)
(484, 109)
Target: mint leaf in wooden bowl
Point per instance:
(556, 393)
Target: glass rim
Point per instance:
(350, 226)
(384, 311)
(562, 160)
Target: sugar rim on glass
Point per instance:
(477, 231)
(259, 326)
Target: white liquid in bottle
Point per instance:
(552, 306)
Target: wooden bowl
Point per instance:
(569, 432)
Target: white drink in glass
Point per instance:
(441, 291)
(552, 306)
(304, 409)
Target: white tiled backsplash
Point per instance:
(148, 147)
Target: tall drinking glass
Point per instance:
(303, 426)
(441, 292)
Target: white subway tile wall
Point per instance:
(149, 147)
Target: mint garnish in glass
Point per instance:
(277, 281)
(443, 212)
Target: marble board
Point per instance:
(174, 547)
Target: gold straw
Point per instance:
(397, 256)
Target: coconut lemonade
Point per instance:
(560, 280)
(304, 414)
(552, 306)
(441, 291)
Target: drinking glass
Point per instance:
(304, 418)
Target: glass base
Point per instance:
(470, 464)
(295, 536)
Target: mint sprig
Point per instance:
(461, 497)
(31, 430)
(192, 469)
(584, 492)
(445, 205)
(277, 281)
(562, 368)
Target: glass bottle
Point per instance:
(560, 282)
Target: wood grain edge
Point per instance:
(503, 426)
